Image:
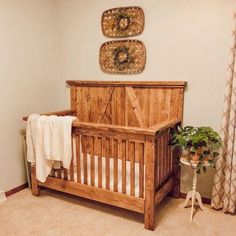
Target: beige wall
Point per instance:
(48, 41)
(185, 40)
(27, 67)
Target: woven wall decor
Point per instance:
(122, 57)
(123, 22)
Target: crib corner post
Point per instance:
(175, 192)
(149, 201)
(35, 187)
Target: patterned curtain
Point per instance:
(224, 189)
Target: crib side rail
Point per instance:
(167, 160)
(57, 113)
(111, 157)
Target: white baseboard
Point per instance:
(2, 196)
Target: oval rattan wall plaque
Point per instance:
(123, 22)
(123, 57)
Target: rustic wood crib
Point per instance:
(120, 145)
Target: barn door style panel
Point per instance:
(127, 105)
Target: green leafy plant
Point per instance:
(200, 145)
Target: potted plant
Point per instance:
(200, 145)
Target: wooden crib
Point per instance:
(121, 154)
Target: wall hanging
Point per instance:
(122, 57)
(123, 22)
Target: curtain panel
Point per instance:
(224, 189)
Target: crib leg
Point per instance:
(35, 187)
(149, 202)
(149, 216)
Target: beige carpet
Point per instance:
(60, 214)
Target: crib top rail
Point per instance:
(143, 84)
(56, 113)
(86, 126)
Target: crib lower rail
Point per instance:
(164, 190)
(101, 195)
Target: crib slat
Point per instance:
(161, 159)
(115, 168)
(119, 151)
(164, 156)
(78, 152)
(65, 174)
(84, 143)
(100, 167)
(168, 155)
(108, 155)
(92, 171)
(132, 173)
(157, 162)
(171, 160)
(53, 172)
(59, 173)
(141, 169)
(72, 160)
(124, 158)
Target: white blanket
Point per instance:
(48, 141)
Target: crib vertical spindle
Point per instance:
(165, 154)
(141, 169)
(100, 166)
(158, 163)
(52, 173)
(115, 167)
(132, 172)
(65, 174)
(78, 152)
(168, 154)
(92, 171)
(84, 143)
(119, 149)
(162, 173)
(72, 160)
(59, 173)
(108, 153)
(124, 158)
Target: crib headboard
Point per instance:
(138, 104)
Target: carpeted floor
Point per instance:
(60, 214)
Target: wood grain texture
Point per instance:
(73, 97)
(100, 163)
(150, 184)
(127, 104)
(97, 194)
(56, 113)
(105, 105)
(143, 84)
(163, 191)
(92, 164)
(35, 187)
(136, 107)
(78, 158)
(72, 159)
